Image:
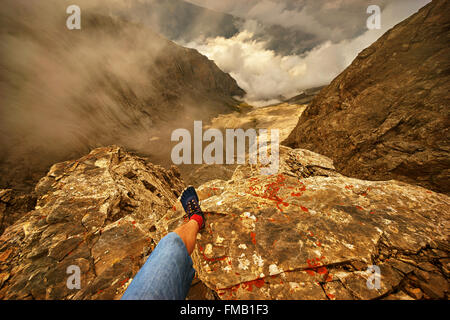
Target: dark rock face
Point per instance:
(305, 97)
(97, 213)
(13, 205)
(387, 115)
(305, 233)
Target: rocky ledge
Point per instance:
(307, 232)
(97, 213)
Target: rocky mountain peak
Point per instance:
(386, 116)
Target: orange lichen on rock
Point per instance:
(253, 235)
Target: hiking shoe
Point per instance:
(190, 202)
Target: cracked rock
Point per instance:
(91, 215)
(301, 234)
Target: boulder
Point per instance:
(309, 232)
(97, 213)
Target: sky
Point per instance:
(274, 49)
(322, 38)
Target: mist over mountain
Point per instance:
(114, 81)
(286, 46)
(177, 19)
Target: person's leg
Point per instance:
(167, 274)
(188, 233)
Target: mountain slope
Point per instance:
(112, 82)
(387, 116)
(97, 213)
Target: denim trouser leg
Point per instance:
(166, 275)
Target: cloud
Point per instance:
(266, 75)
(333, 20)
(65, 92)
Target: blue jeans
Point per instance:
(166, 275)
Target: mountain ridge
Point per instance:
(386, 115)
(113, 81)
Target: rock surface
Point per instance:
(387, 116)
(98, 213)
(305, 233)
(311, 233)
(306, 97)
(14, 205)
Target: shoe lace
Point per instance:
(193, 208)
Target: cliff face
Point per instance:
(112, 82)
(387, 116)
